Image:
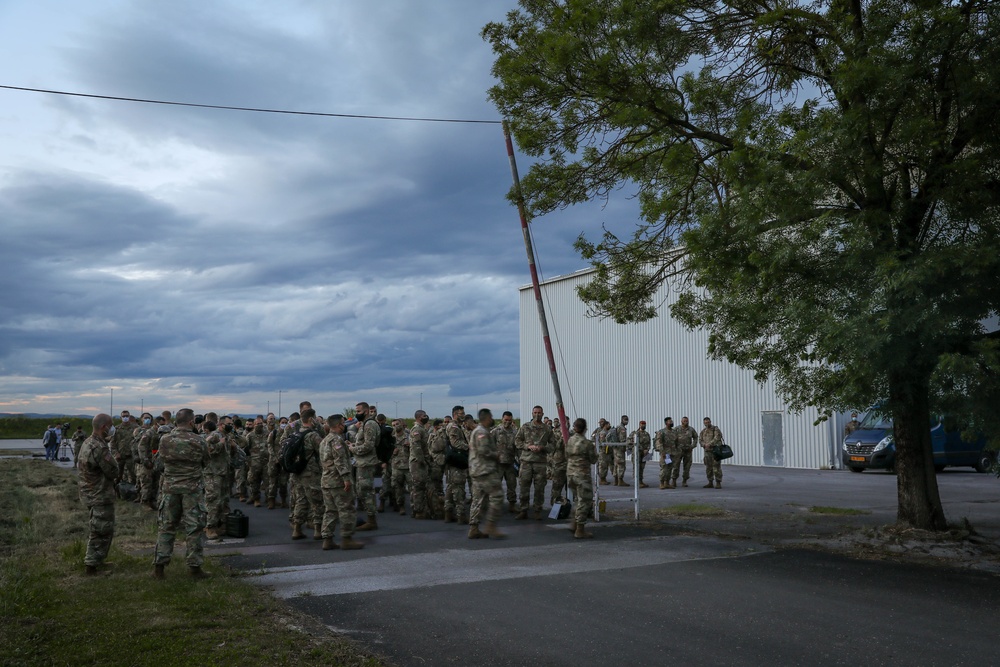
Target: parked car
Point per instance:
(871, 447)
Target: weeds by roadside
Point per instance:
(52, 614)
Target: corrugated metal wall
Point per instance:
(654, 370)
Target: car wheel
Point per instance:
(855, 469)
(986, 461)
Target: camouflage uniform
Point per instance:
(185, 458)
(278, 476)
(621, 435)
(557, 461)
(149, 439)
(216, 476)
(851, 427)
(78, 439)
(121, 447)
(666, 445)
(98, 472)
(484, 468)
(258, 462)
(338, 504)
(687, 440)
(507, 450)
(400, 463)
(709, 437)
(308, 508)
(367, 463)
(532, 472)
(455, 478)
(581, 455)
(644, 440)
(238, 463)
(420, 489)
(435, 465)
(607, 456)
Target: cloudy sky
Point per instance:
(204, 258)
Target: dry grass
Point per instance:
(52, 614)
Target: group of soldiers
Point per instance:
(190, 467)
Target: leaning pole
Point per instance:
(563, 425)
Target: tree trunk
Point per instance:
(916, 483)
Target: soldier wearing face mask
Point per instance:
(216, 474)
(121, 446)
(277, 482)
(145, 436)
(420, 498)
(257, 472)
(98, 472)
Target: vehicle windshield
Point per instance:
(874, 421)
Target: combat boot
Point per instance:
(158, 572)
(329, 544)
(402, 510)
(370, 524)
(297, 533)
(538, 515)
(91, 571)
(256, 503)
(474, 533)
(492, 531)
(270, 503)
(708, 486)
(198, 573)
(381, 504)
(581, 533)
(317, 531)
(211, 534)
(449, 516)
(350, 543)
(673, 484)
(512, 507)
(718, 484)
(522, 515)
(663, 485)
(643, 485)
(684, 484)
(572, 526)
(603, 481)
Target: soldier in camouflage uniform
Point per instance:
(215, 476)
(484, 467)
(98, 472)
(367, 463)
(607, 457)
(557, 463)
(642, 438)
(277, 476)
(505, 434)
(711, 436)
(420, 489)
(581, 455)
(534, 442)
(185, 457)
(400, 463)
(666, 445)
(620, 435)
(147, 440)
(435, 467)
(852, 425)
(687, 440)
(338, 496)
(238, 459)
(121, 447)
(455, 477)
(308, 508)
(257, 439)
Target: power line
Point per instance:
(253, 109)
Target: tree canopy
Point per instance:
(822, 180)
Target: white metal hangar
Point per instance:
(659, 369)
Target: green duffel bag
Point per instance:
(722, 452)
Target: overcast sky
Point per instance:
(202, 258)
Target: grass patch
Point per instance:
(682, 511)
(52, 614)
(841, 511)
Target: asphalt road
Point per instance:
(423, 594)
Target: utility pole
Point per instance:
(111, 410)
(279, 402)
(421, 400)
(397, 409)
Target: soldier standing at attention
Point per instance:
(216, 475)
(338, 500)
(581, 455)
(505, 434)
(419, 455)
(185, 456)
(98, 472)
(308, 506)
(711, 436)
(534, 441)
(687, 440)
(400, 463)
(484, 467)
(367, 462)
(642, 438)
(455, 477)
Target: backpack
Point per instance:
(293, 453)
(386, 444)
(49, 438)
(456, 458)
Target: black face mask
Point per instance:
(228, 428)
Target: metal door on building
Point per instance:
(772, 438)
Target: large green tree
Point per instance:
(821, 179)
